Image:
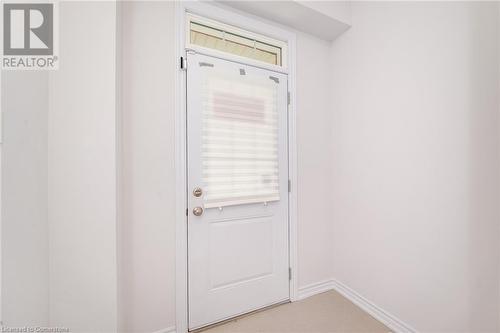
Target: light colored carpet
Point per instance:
(324, 313)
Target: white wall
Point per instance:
(147, 254)
(415, 123)
(314, 160)
(58, 171)
(339, 10)
(24, 199)
(324, 19)
(82, 170)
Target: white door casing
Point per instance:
(237, 155)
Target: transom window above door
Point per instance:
(222, 37)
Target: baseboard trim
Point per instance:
(170, 329)
(389, 320)
(314, 288)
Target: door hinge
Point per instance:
(288, 98)
(290, 273)
(183, 63)
(187, 210)
(289, 186)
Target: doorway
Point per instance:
(283, 70)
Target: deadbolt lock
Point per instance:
(197, 192)
(197, 211)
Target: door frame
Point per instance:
(222, 13)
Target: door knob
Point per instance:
(197, 211)
(197, 192)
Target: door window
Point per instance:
(239, 140)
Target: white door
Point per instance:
(237, 189)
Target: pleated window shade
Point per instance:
(239, 141)
(214, 38)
